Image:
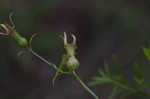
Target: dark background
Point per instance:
(102, 28)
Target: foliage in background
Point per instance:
(121, 87)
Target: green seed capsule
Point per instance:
(20, 40)
(16, 36)
(72, 63)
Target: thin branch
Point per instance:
(84, 85)
(45, 61)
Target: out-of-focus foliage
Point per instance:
(147, 53)
(121, 87)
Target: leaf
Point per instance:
(147, 53)
(126, 94)
(145, 84)
(116, 91)
(30, 41)
(107, 69)
(116, 64)
(117, 68)
(100, 80)
(139, 75)
(61, 66)
(101, 72)
(21, 53)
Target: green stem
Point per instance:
(84, 85)
(45, 61)
(74, 73)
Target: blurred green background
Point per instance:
(102, 27)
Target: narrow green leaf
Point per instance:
(21, 53)
(147, 53)
(116, 91)
(107, 69)
(126, 94)
(30, 41)
(116, 64)
(61, 66)
(145, 85)
(101, 72)
(100, 80)
(117, 68)
(139, 75)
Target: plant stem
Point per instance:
(84, 85)
(55, 68)
(45, 61)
